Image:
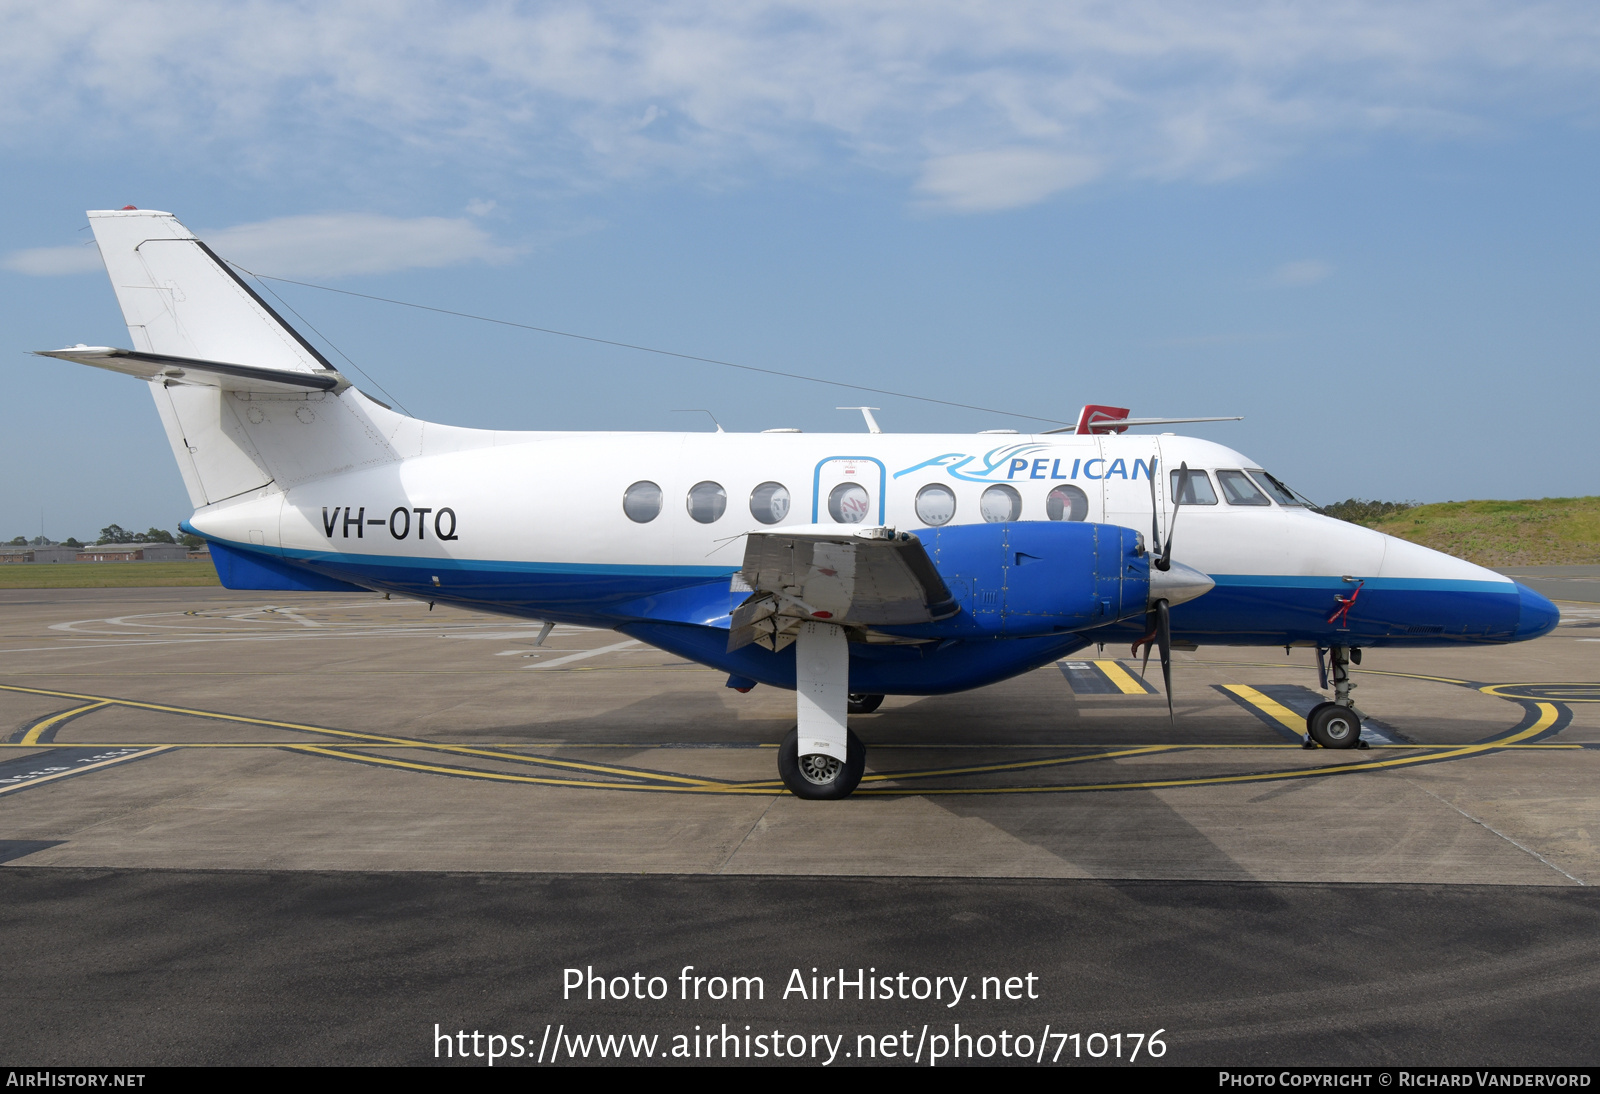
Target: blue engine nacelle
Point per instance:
(1035, 578)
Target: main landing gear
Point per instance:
(820, 759)
(817, 776)
(1337, 724)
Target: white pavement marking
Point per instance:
(296, 616)
(1496, 831)
(529, 632)
(581, 654)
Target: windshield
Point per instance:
(1273, 486)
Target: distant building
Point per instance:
(38, 554)
(133, 552)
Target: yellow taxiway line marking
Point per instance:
(661, 781)
(1268, 706)
(1119, 676)
(85, 767)
(984, 769)
(1547, 746)
(373, 738)
(500, 776)
(1303, 668)
(1592, 696)
(1547, 718)
(1020, 765)
(37, 731)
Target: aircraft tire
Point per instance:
(801, 774)
(864, 704)
(1333, 726)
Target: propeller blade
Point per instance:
(1165, 562)
(1155, 514)
(1164, 641)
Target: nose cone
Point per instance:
(1538, 617)
(1183, 583)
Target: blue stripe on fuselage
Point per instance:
(1252, 609)
(667, 605)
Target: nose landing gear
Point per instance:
(1337, 724)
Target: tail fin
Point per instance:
(179, 299)
(247, 402)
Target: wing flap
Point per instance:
(857, 578)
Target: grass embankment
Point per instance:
(1535, 532)
(106, 575)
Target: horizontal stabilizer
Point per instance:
(188, 370)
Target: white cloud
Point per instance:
(339, 244)
(320, 245)
(55, 261)
(1001, 179)
(578, 95)
(1307, 271)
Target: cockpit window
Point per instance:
(1239, 490)
(1273, 486)
(1196, 491)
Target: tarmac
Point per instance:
(307, 828)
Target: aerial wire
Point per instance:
(325, 338)
(639, 348)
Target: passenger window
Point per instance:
(849, 503)
(1066, 503)
(707, 500)
(1197, 491)
(1000, 503)
(936, 505)
(1239, 490)
(1273, 486)
(642, 502)
(769, 502)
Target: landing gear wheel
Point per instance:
(1334, 726)
(817, 777)
(864, 704)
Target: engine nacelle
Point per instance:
(1035, 577)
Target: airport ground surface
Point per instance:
(305, 827)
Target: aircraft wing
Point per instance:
(849, 577)
(189, 370)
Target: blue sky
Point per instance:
(1370, 228)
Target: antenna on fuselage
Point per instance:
(702, 410)
(866, 412)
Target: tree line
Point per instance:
(113, 533)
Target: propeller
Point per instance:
(1160, 636)
(1164, 562)
(1159, 621)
